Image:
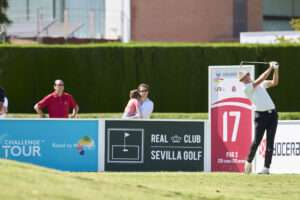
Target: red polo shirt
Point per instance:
(58, 106)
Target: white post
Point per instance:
(38, 23)
(125, 20)
(101, 145)
(91, 27)
(66, 23)
(207, 147)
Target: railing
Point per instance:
(46, 28)
(78, 23)
(72, 32)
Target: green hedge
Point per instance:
(100, 76)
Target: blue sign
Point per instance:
(70, 145)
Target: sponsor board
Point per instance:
(231, 118)
(286, 152)
(70, 145)
(154, 145)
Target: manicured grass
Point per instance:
(22, 181)
(118, 115)
(202, 116)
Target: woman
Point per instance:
(132, 110)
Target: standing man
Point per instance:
(3, 103)
(266, 118)
(58, 103)
(146, 105)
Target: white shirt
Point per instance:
(146, 108)
(5, 104)
(259, 96)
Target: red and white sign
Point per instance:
(231, 118)
(286, 153)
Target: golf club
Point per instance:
(253, 62)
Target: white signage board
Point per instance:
(286, 153)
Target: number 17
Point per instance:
(237, 116)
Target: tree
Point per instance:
(295, 24)
(3, 7)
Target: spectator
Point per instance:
(146, 105)
(58, 103)
(132, 109)
(3, 103)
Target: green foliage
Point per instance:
(295, 24)
(3, 17)
(100, 76)
(285, 40)
(155, 115)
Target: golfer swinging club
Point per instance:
(266, 117)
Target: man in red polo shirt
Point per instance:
(58, 103)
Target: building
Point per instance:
(194, 20)
(144, 20)
(69, 18)
(278, 13)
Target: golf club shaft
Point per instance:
(253, 62)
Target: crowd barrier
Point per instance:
(133, 145)
(70, 145)
(107, 145)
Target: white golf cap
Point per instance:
(242, 74)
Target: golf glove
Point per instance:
(274, 64)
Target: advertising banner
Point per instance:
(70, 145)
(137, 145)
(231, 118)
(286, 153)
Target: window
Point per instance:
(240, 17)
(278, 13)
(27, 10)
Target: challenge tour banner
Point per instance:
(286, 153)
(70, 145)
(154, 145)
(230, 118)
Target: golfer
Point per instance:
(266, 117)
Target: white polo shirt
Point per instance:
(259, 96)
(146, 108)
(5, 104)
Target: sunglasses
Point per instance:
(59, 84)
(143, 90)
